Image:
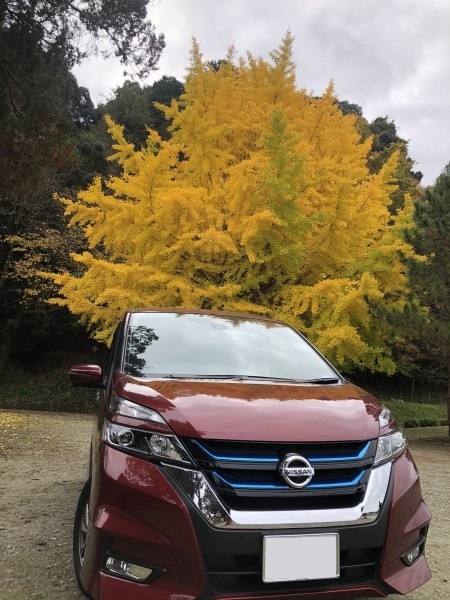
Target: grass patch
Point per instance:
(53, 393)
(45, 391)
(429, 436)
(414, 414)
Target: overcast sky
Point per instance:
(391, 57)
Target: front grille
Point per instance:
(246, 474)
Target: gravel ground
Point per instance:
(43, 458)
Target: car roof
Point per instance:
(203, 311)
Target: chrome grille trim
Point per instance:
(201, 494)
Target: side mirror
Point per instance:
(90, 376)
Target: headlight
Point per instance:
(389, 446)
(385, 417)
(130, 409)
(148, 444)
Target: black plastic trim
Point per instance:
(359, 539)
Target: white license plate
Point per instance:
(299, 557)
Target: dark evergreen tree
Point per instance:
(76, 29)
(431, 279)
(129, 106)
(348, 108)
(163, 91)
(135, 108)
(45, 118)
(385, 142)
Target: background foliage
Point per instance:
(242, 162)
(261, 201)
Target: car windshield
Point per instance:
(203, 345)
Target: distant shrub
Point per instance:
(415, 414)
(428, 422)
(411, 423)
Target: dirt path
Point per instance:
(43, 459)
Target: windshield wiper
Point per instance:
(197, 376)
(234, 377)
(324, 380)
(320, 380)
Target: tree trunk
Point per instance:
(448, 392)
(9, 331)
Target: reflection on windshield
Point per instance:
(140, 338)
(200, 345)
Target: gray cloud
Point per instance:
(392, 57)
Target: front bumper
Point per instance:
(162, 518)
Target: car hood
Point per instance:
(258, 411)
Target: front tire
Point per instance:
(80, 531)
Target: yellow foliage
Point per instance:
(12, 421)
(12, 425)
(261, 201)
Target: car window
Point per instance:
(179, 344)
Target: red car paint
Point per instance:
(141, 515)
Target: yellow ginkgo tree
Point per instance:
(261, 201)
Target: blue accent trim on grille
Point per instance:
(235, 458)
(274, 459)
(273, 486)
(339, 484)
(251, 486)
(345, 457)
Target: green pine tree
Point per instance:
(431, 279)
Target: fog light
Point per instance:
(411, 556)
(413, 553)
(128, 570)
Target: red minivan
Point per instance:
(230, 460)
